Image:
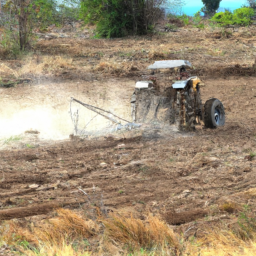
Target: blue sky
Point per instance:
(192, 6)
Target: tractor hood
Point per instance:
(183, 83)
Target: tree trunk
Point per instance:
(23, 17)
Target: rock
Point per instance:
(67, 28)
(63, 36)
(32, 132)
(184, 194)
(33, 186)
(211, 159)
(103, 165)
(121, 146)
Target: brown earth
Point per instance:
(183, 176)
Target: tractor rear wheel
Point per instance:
(214, 113)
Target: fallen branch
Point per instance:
(89, 199)
(18, 193)
(36, 209)
(9, 84)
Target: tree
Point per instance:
(210, 6)
(251, 3)
(174, 6)
(28, 14)
(23, 16)
(25, 13)
(116, 18)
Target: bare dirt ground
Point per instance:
(183, 176)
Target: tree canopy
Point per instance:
(115, 18)
(211, 6)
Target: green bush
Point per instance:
(171, 27)
(242, 16)
(67, 13)
(114, 21)
(117, 18)
(197, 21)
(43, 12)
(184, 18)
(91, 11)
(223, 18)
(9, 42)
(48, 12)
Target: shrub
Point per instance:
(247, 224)
(135, 233)
(229, 207)
(177, 20)
(197, 21)
(170, 27)
(9, 42)
(242, 16)
(21, 17)
(184, 18)
(224, 18)
(90, 11)
(116, 18)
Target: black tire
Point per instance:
(214, 113)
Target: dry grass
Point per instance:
(115, 68)
(64, 235)
(38, 65)
(152, 233)
(57, 233)
(223, 243)
(251, 192)
(108, 67)
(156, 55)
(64, 250)
(7, 71)
(66, 226)
(230, 207)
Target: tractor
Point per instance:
(172, 96)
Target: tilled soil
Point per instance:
(179, 174)
(183, 176)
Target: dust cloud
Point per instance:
(46, 109)
(53, 124)
(43, 119)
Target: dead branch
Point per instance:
(15, 82)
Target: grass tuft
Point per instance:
(45, 65)
(66, 226)
(229, 207)
(149, 234)
(12, 139)
(59, 233)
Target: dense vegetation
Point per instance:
(113, 18)
(242, 16)
(30, 14)
(210, 6)
(116, 18)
